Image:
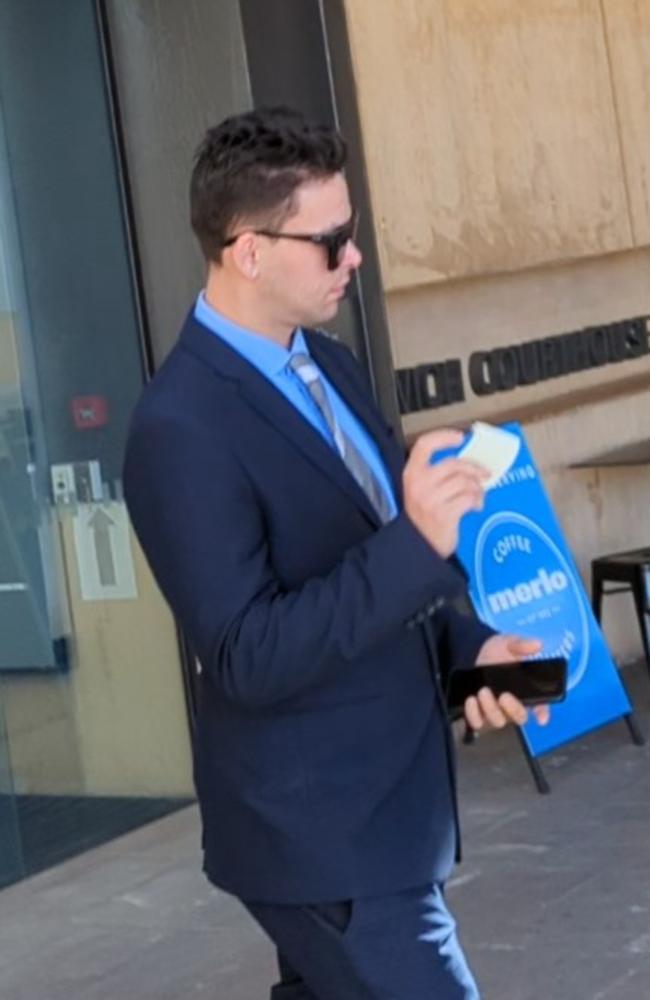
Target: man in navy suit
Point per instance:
(312, 571)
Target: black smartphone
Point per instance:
(533, 682)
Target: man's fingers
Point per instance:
(523, 647)
(462, 504)
(450, 467)
(436, 497)
(454, 486)
(435, 494)
(473, 713)
(434, 477)
(433, 441)
(513, 708)
(437, 484)
(542, 713)
(485, 708)
(490, 709)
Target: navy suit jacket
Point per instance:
(323, 759)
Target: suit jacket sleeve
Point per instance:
(201, 522)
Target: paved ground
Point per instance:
(553, 897)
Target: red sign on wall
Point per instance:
(89, 412)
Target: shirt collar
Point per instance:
(270, 358)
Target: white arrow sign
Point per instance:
(103, 547)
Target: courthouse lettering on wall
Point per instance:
(440, 383)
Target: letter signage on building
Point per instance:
(440, 383)
(523, 580)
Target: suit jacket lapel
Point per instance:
(273, 407)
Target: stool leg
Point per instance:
(469, 736)
(645, 576)
(596, 592)
(641, 601)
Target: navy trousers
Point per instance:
(400, 947)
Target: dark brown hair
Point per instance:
(248, 167)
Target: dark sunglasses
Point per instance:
(333, 241)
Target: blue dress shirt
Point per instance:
(272, 360)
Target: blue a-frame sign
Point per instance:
(523, 580)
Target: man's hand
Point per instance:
(485, 709)
(437, 496)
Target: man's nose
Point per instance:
(352, 256)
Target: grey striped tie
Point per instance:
(308, 373)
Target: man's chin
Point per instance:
(328, 312)
(324, 315)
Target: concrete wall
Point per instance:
(508, 161)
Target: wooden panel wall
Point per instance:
(508, 148)
(491, 132)
(628, 34)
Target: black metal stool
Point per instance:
(632, 570)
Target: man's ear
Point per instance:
(245, 255)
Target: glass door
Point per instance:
(94, 735)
